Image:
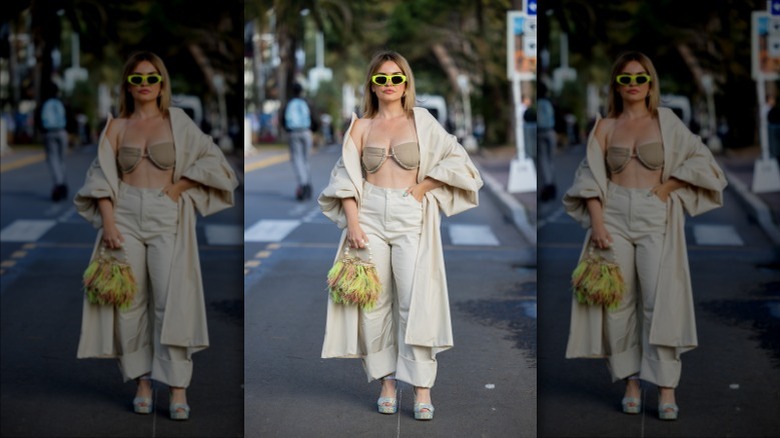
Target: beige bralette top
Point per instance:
(407, 155)
(161, 155)
(651, 155)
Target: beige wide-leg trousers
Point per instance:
(393, 223)
(147, 219)
(636, 220)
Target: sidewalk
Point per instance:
(522, 208)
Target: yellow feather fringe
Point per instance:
(107, 281)
(353, 281)
(598, 282)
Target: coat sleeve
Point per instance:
(339, 187)
(454, 168)
(583, 187)
(95, 186)
(208, 167)
(699, 169)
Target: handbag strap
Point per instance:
(368, 247)
(124, 252)
(610, 250)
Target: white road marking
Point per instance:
(717, 235)
(472, 235)
(26, 230)
(224, 234)
(270, 230)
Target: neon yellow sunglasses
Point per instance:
(382, 79)
(639, 79)
(150, 79)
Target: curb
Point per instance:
(510, 207)
(756, 207)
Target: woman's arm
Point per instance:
(356, 238)
(426, 185)
(176, 189)
(664, 189)
(112, 238)
(599, 234)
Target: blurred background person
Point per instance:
(55, 138)
(298, 123)
(546, 143)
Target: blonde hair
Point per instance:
(126, 102)
(615, 102)
(370, 101)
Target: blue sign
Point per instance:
(774, 7)
(530, 7)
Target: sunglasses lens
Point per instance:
(151, 80)
(379, 79)
(398, 79)
(135, 79)
(623, 80)
(641, 80)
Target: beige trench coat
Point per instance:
(685, 158)
(441, 158)
(199, 159)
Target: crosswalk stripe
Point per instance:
(224, 234)
(270, 230)
(472, 235)
(26, 230)
(717, 235)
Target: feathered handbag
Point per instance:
(597, 281)
(354, 281)
(109, 281)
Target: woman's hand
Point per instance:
(356, 238)
(600, 237)
(415, 191)
(112, 238)
(173, 192)
(663, 190)
(419, 190)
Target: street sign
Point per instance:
(765, 47)
(521, 60)
(529, 7)
(774, 7)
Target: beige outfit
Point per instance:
(393, 223)
(177, 296)
(653, 260)
(428, 321)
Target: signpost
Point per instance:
(765, 50)
(521, 65)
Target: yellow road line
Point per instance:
(26, 161)
(270, 161)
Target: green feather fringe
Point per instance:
(353, 281)
(598, 282)
(108, 281)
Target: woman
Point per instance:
(643, 169)
(153, 170)
(399, 168)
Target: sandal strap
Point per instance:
(421, 406)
